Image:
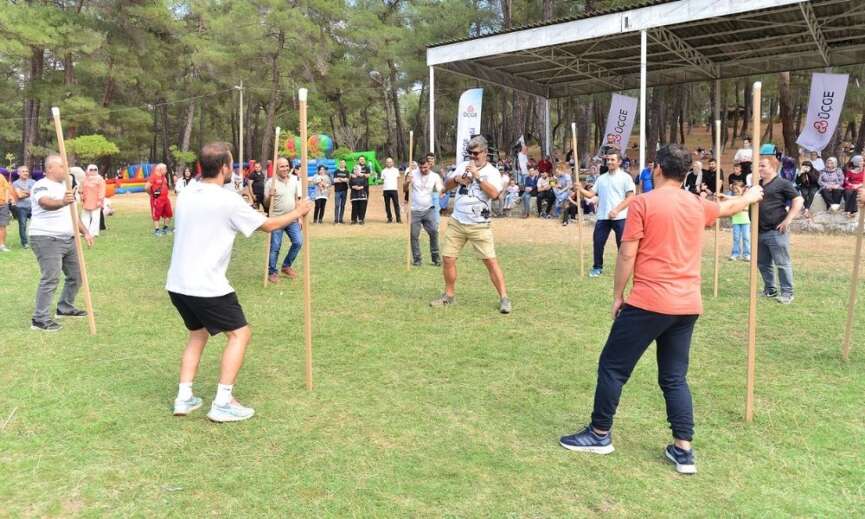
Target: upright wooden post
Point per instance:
(240, 143)
(270, 211)
(307, 262)
(854, 281)
(406, 178)
(73, 210)
(579, 199)
(755, 224)
(717, 184)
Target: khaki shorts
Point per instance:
(480, 236)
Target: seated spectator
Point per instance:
(832, 184)
(563, 186)
(569, 207)
(545, 196)
(807, 182)
(512, 193)
(854, 178)
(694, 180)
(788, 169)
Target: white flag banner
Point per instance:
(824, 110)
(620, 121)
(468, 120)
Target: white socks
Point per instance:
(223, 394)
(184, 391)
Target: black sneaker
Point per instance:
(587, 441)
(45, 326)
(72, 313)
(770, 293)
(682, 459)
(415, 263)
(437, 263)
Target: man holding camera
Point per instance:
(478, 183)
(160, 204)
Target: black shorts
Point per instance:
(217, 314)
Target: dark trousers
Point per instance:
(24, 214)
(808, 194)
(318, 214)
(569, 211)
(602, 234)
(427, 219)
(832, 196)
(632, 332)
(547, 198)
(358, 210)
(391, 197)
(339, 205)
(850, 199)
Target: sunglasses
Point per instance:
(476, 153)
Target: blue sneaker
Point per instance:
(157, 232)
(595, 273)
(232, 412)
(587, 441)
(682, 459)
(184, 407)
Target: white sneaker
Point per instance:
(232, 412)
(835, 207)
(4, 248)
(733, 258)
(184, 407)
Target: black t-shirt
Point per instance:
(742, 177)
(773, 208)
(339, 187)
(257, 180)
(359, 194)
(691, 183)
(364, 170)
(709, 179)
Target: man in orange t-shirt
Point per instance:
(661, 248)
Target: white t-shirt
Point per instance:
(236, 184)
(611, 190)
(56, 223)
(523, 161)
(422, 188)
(206, 220)
(472, 205)
(390, 176)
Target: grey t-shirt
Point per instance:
(26, 186)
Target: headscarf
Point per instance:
(788, 169)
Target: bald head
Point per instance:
(160, 169)
(282, 167)
(54, 167)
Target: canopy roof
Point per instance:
(688, 40)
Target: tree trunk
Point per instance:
(419, 119)
(394, 99)
(274, 100)
(165, 155)
(787, 129)
(748, 95)
(548, 9)
(653, 118)
(30, 130)
(734, 135)
(108, 89)
(187, 133)
(507, 19)
(860, 141)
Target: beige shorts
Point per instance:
(480, 236)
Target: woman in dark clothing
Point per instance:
(806, 183)
(358, 184)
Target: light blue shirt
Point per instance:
(611, 189)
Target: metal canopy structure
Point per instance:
(688, 40)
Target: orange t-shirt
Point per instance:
(669, 225)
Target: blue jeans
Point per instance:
(444, 200)
(527, 202)
(602, 234)
(741, 240)
(632, 332)
(339, 205)
(23, 215)
(296, 237)
(773, 251)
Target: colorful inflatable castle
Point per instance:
(131, 179)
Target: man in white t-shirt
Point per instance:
(425, 186)
(477, 184)
(390, 188)
(614, 191)
(206, 221)
(53, 241)
(281, 194)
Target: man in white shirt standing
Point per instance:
(282, 192)
(390, 188)
(207, 219)
(614, 189)
(425, 186)
(478, 183)
(53, 241)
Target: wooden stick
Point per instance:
(270, 211)
(579, 198)
(73, 210)
(240, 141)
(717, 197)
(307, 263)
(408, 201)
(854, 281)
(755, 224)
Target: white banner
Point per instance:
(620, 121)
(468, 120)
(824, 110)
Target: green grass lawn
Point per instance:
(418, 412)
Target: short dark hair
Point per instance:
(430, 155)
(614, 151)
(674, 161)
(422, 161)
(214, 155)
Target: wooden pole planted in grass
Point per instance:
(755, 224)
(854, 281)
(406, 178)
(270, 204)
(307, 260)
(579, 198)
(73, 210)
(717, 183)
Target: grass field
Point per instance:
(418, 412)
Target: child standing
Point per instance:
(741, 230)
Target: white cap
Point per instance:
(301, 95)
